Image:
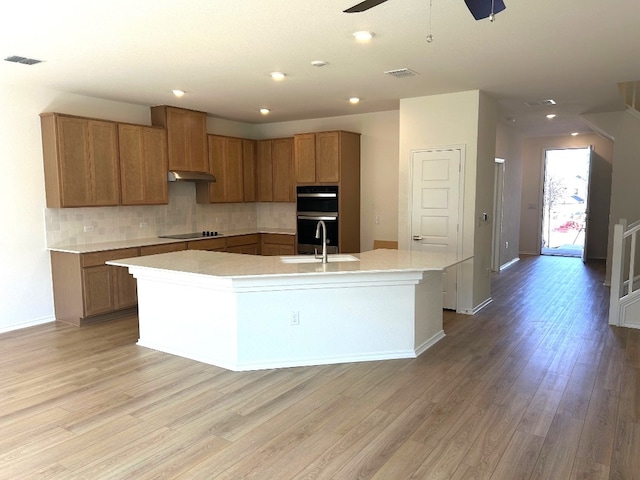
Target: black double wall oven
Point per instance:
(315, 203)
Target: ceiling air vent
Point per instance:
(23, 60)
(402, 73)
(540, 103)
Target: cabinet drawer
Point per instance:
(99, 258)
(242, 240)
(208, 244)
(279, 239)
(164, 248)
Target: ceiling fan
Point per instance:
(479, 8)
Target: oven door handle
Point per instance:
(314, 217)
(317, 195)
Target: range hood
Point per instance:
(181, 176)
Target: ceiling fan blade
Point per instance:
(482, 8)
(362, 6)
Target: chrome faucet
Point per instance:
(324, 240)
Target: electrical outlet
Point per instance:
(506, 244)
(144, 224)
(377, 219)
(295, 318)
(88, 228)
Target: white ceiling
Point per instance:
(221, 53)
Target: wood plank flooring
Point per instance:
(535, 386)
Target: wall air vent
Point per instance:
(402, 73)
(540, 103)
(23, 60)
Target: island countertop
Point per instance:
(231, 265)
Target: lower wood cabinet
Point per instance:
(277, 244)
(87, 290)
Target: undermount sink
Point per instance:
(331, 258)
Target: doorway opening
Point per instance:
(565, 200)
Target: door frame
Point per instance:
(498, 206)
(461, 183)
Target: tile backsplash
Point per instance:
(78, 226)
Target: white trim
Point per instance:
(30, 323)
(509, 263)
(476, 309)
(429, 343)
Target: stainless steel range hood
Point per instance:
(180, 176)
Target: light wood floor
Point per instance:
(535, 386)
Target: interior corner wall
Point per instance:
(437, 121)
(509, 148)
(533, 153)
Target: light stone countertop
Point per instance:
(143, 242)
(231, 265)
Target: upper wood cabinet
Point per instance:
(80, 161)
(143, 164)
(275, 181)
(186, 137)
(232, 162)
(325, 157)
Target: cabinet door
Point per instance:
(143, 165)
(216, 165)
(177, 123)
(154, 148)
(103, 157)
(98, 291)
(327, 157)
(125, 286)
(249, 170)
(283, 184)
(73, 157)
(305, 158)
(264, 171)
(233, 179)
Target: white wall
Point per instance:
(379, 165)
(459, 119)
(509, 147)
(533, 153)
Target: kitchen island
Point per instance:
(242, 312)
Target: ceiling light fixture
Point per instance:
(575, 134)
(319, 63)
(354, 100)
(551, 115)
(178, 93)
(363, 36)
(277, 76)
(265, 111)
(429, 35)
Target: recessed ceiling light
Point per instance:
(264, 111)
(277, 76)
(575, 134)
(354, 100)
(363, 36)
(551, 115)
(178, 93)
(319, 63)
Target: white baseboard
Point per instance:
(30, 323)
(468, 311)
(509, 263)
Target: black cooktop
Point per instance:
(186, 236)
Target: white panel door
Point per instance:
(435, 208)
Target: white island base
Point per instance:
(304, 315)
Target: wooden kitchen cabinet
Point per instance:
(80, 161)
(249, 170)
(247, 244)
(186, 137)
(277, 244)
(209, 244)
(143, 164)
(162, 248)
(85, 289)
(232, 162)
(326, 157)
(275, 179)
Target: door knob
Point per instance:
(417, 237)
